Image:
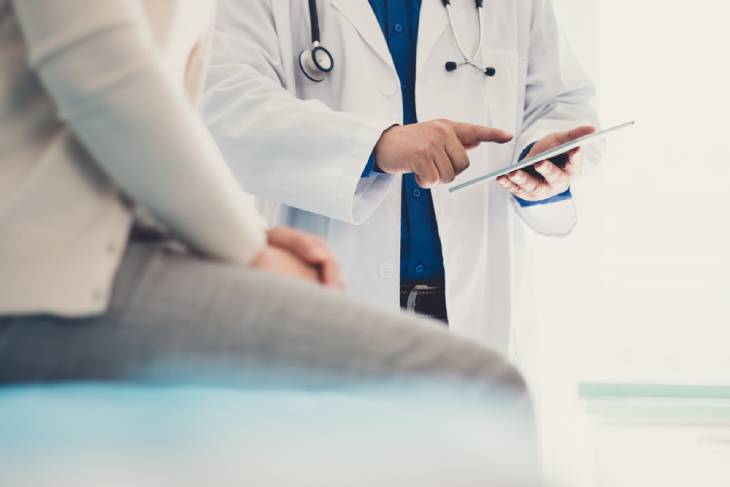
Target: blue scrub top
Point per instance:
(421, 257)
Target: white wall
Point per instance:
(641, 291)
(667, 258)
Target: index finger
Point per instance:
(472, 135)
(576, 133)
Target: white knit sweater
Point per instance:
(95, 111)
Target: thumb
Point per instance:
(472, 135)
(576, 133)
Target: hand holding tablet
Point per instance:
(551, 154)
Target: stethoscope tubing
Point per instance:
(470, 60)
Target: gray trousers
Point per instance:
(178, 318)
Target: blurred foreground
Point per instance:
(91, 435)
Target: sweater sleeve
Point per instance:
(100, 65)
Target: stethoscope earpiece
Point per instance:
(453, 65)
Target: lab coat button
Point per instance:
(388, 88)
(386, 270)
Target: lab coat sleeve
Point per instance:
(294, 152)
(101, 66)
(558, 97)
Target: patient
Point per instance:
(128, 252)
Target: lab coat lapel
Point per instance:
(432, 24)
(360, 14)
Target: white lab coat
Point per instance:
(301, 146)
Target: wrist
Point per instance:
(381, 147)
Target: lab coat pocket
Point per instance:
(502, 91)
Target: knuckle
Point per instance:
(446, 176)
(458, 169)
(420, 167)
(441, 129)
(422, 152)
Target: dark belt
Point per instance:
(424, 298)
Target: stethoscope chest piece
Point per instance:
(316, 63)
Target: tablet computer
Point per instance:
(549, 154)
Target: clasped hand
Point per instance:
(294, 254)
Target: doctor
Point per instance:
(316, 105)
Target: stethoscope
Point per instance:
(318, 62)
